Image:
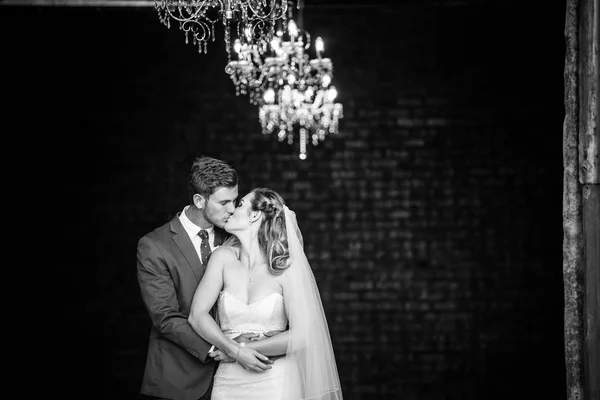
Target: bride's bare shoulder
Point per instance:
(225, 254)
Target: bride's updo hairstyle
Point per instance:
(272, 236)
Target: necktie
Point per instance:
(204, 247)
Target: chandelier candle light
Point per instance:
(254, 20)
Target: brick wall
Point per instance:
(433, 220)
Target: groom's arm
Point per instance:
(219, 355)
(160, 298)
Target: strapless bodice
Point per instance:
(234, 382)
(262, 315)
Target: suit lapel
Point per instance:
(183, 242)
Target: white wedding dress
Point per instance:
(232, 381)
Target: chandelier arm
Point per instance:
(193, 15)
(188, 26)
(284, 7)
(256, 25)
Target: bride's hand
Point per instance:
(271, 333)
(252, 360)
(246, 337)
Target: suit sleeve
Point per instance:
(160, 298)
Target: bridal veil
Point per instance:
(309, 347)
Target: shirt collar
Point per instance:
(191, 228)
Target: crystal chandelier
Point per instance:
(293, 92)
(252, 20)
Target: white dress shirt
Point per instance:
(193, 229)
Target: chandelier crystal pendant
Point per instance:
(252, 20)
(293, 92)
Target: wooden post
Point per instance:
(591, 323)
(589, 179)
(572, 222)
(587, 86)
(581, 197)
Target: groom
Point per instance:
(170, 263)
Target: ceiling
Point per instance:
(307, 3)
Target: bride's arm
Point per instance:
(272, 346)
(205, 297)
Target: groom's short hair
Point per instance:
(207, 175)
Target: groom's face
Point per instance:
(220, 205)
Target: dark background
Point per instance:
(432, 221)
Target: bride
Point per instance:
(262, 283)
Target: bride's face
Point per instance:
(240, 219)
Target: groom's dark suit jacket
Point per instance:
(168, 271)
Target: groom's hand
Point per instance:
(220, 356)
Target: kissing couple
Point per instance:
(236, 312)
